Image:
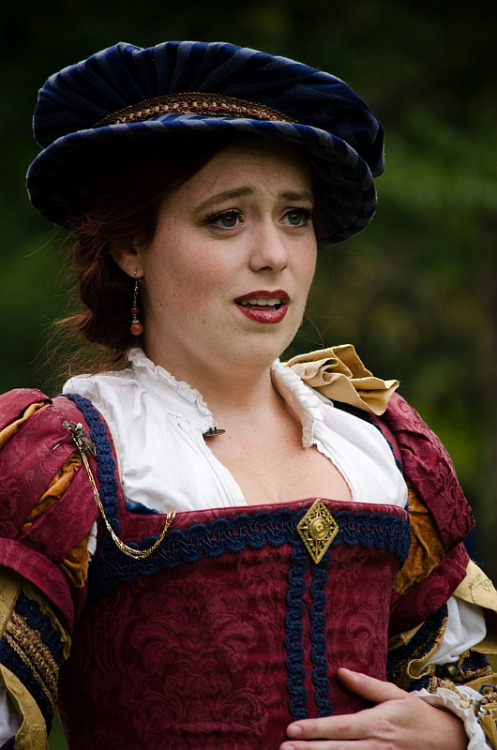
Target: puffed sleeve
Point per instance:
(438, 570)
(46, 515)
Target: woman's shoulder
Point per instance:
(339, 374)
(37, 446)
(47, 508)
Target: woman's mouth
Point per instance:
(264, 307)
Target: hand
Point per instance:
(397, 721)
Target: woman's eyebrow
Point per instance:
(291, 195)
(223, 196)
(304, 195)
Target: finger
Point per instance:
(346, 727)
(373, 690)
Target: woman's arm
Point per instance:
(45, 521)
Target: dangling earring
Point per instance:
(136, 326)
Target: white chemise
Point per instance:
(165, 463)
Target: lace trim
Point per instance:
(303, 400)
(140, 361)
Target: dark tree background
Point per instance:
(416, 292)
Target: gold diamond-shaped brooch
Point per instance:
(317, 529)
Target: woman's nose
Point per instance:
(268, 249)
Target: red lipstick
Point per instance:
(263, 306)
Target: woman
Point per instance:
(214, 546)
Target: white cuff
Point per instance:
(456, 704)
(9, 721)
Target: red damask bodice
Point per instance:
(229, 630)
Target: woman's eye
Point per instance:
(225, 220)
(299, 217)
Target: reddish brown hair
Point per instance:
(120, 207)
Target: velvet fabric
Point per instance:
(315, 111)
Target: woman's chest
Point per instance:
(275, 474)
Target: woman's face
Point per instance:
(227, 273)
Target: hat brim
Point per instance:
(345, 191)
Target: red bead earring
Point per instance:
(136, 326)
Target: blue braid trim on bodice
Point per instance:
(106, 465)
(320, 676)
(254, 531)
(294, 630)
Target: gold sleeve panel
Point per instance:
(32, 734)
(476, 588)
(75, 565)
(12, 428)
(426, 550)
(56, 488)
(414, 665)
(27, 660)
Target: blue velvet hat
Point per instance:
(123, 95)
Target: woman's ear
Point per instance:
(128, 260)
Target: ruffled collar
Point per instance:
(336, 373)
(176, 395)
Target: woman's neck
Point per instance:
(226, 387)
(236, 396)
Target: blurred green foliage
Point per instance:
(416, 292)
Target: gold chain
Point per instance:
(83, 443)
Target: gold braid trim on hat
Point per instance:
(192, 103)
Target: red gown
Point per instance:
(229, 630)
